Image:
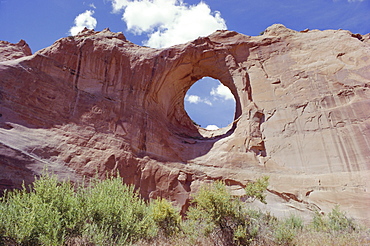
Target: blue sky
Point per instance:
(161, 23)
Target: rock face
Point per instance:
(9, 51)
(96, 103)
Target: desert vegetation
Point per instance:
(109, 212)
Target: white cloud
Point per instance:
(196, 99)
(83, 20)
(118, 5)
(223, 92)
(92, 5)
(206, 101)
(192, 99)
(168, 22)
(212, 127)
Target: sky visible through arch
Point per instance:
(162, 23)
(210, 104)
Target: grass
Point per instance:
(108, 212)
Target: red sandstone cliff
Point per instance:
(97, 102)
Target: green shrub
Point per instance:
(165, 216)
(115, 212)
(336, 220)
(256, 189)
(40, 216)
(287, 229)
(62, 198)
(319, 222)
(109, 212)
(104, 213)
(2, 226)
(217, 212)
(261, 226)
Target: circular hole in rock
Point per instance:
(210, 104)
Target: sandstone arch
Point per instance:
(170, 90)
(96, 101)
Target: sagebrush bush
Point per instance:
(336, 220)
(255, 190)
(114, 212)
(104, 213)
(41, 216)
(216, 212)
(286, 229)
(166, 218)
(110, 212)
(319, 222)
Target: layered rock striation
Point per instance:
(96, 103)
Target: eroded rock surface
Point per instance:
(9, 51)
(96, 103)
